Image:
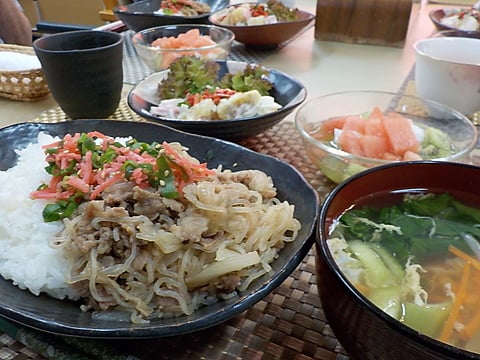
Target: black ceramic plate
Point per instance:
(140, 15)
(287, 91)
(64, 317)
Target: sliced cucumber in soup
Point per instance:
(427, 319)
(377, 274)
(392, 264)
(388, 300)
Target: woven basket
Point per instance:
(22, 85)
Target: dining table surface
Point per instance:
(322, 66)
(289, 322)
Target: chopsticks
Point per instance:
(56, 347)
(116, 26)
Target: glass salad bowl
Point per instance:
(348, 132)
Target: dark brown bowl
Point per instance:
(437, 15)
(364, 330)
(266, 36)
(140, 15)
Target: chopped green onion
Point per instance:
(86, 143)
(166, 179)
(59, 210)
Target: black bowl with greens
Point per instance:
(398, 260)
(285, 90)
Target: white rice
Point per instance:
(26, 257)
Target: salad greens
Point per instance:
(253, 77)
(281, 11)
(193, 75)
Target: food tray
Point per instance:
(22, 85)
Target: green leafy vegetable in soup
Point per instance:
(411, 260)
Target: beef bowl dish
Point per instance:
(122, 229)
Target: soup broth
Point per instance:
(408, 254)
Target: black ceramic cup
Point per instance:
(84, 71)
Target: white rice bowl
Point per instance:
(26, 257)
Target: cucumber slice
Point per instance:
(435, 144)
(392, 264)
(388, 300)
(377, 274)
(427, 319)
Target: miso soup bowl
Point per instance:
(365, 331)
